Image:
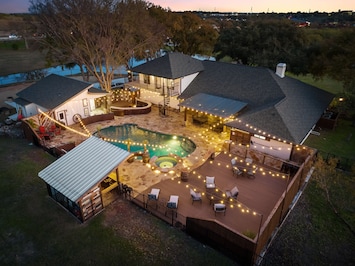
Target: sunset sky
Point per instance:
(256, 6)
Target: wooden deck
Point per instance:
(257, 197)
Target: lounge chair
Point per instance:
(153, 195)
(251, 172)
(210, 182)
(173, 202)
(219, 207)
(235, 169)
(195, 196)
(233, 193)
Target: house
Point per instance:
(163, 79)
(62, 98)
(261, 108)
(79, 179)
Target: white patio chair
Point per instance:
(219, 207)
(173, 202)
(195, 196)
(210, 182)
(233, 193)
(235, 169)
(153, 195)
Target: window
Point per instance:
(146, 79)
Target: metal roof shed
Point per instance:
(74, 179)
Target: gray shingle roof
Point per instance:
(252, 85)
(171, 66)
(282, 107)
(292, 117)
(53, 91)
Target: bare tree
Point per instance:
(98, 35)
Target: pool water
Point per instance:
(132, 138)
(166, 162)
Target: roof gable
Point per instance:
(53, 91)
(83, 167)
(171, 66)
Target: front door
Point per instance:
(61, 117)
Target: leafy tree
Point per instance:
(98, 35)
(264, 43)
(334, 56)
(189, 33)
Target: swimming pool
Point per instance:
(133, 138)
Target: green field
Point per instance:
(339, 141)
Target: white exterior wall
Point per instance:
(185, 81)
(76, 106)
(174, 102)
(32, 109)
(273, 147)
(27, 111)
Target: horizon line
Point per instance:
(240, 12)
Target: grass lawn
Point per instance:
(36, 231)
(313, 234)
(339, 142)
(326, 84)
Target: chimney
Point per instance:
(281, 69)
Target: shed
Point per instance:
(74, 180)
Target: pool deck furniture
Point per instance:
(172, 204)
(233, 193)
(153, 195)
(196, 196)
(235, 168)
(210, 182)
(245, 169)
(219, 207)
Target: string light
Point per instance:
(232, 203)
(62, 125)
